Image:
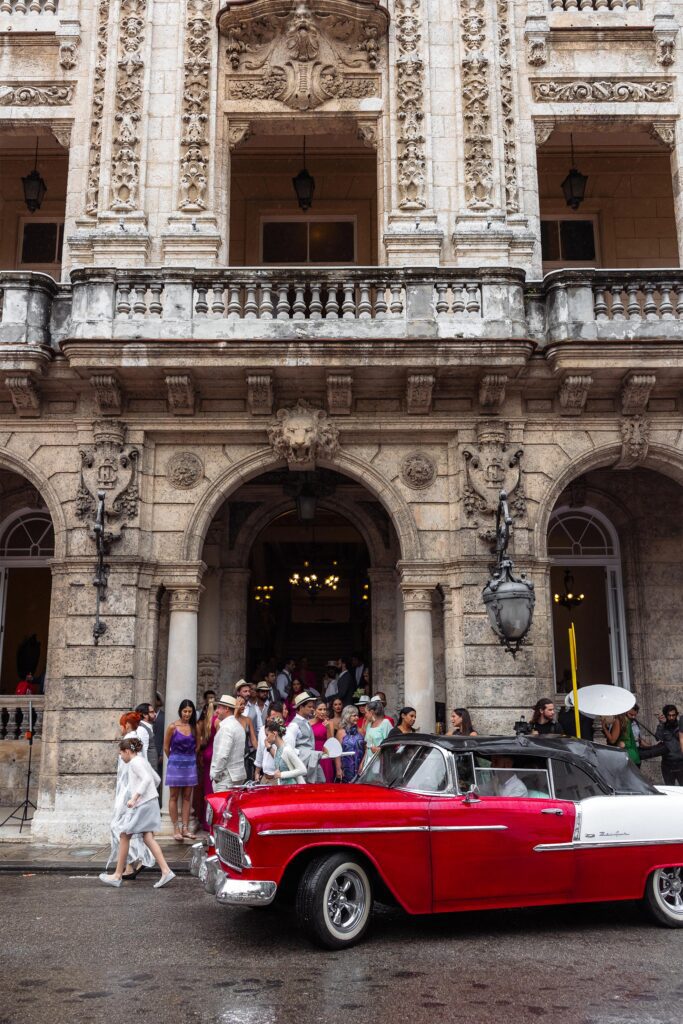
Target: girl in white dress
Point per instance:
(143, 817)
(138, 854)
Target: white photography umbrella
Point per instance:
(602, 701)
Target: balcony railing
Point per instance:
(16, 714)
(28, 6)
(291, 305)
(595, 5)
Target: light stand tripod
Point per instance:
(23, 818)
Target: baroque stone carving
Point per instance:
(68, 54)
(302, 434)
(130, 73)
(492, 466)
(24, 394)
(635, 440)
(476, 95)
(238, 132)
(574, 394)
(107, 394)
(542, 131)
(665, 31)
(49, 95)
(181, 394)
(95, 154)
(419, 392)
(410, 106)
(601, 90)
(507, 105)
(185, 470)
(111, 466)
(418, 470)
(303, 54)
(635, 393)
(260, 393)
(492, 391)
(664, 132)
(367, 133)
(339, 393)
(194, 139)
(184, 599)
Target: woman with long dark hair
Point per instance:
(405, 723)
(181, 744)
(461, 723)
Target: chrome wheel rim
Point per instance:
(346, 901)
(670, 890)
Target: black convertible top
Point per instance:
(610, 766)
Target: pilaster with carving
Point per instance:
(507, 106)
(410, 113)
(128, 129)
(92, 196)
(194, 139)
(476, 106)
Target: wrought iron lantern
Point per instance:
(574, 185)
(34, 187)
(509, 601)
(304, 185)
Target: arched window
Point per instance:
(584, 543)
(28, 535)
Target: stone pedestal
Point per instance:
(419, 654)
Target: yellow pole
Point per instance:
(575, 688)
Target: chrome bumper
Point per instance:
(198, 857)
(238, 892)
(207, 869)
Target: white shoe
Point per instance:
(164, 880)
(110, 880)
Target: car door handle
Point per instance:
(552, 810)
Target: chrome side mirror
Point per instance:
(472, 795)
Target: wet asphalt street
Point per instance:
(73, 951)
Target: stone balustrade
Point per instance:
(37, 314)
(595, 5)
(15, 715)
(28, 6)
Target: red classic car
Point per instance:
(440, 824)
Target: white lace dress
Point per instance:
(137, 850)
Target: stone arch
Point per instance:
(663, 459)
(14, 464)
(343, 462)
(263, 517)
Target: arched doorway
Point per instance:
(584, 548)
(262, 537)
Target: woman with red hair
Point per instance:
(139, 855)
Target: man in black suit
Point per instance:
(345, 682)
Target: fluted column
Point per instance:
(419, 653)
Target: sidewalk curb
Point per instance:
(17, 868)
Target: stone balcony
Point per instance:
(477, 316)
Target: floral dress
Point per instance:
(354, 743)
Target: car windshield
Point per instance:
(421, 769)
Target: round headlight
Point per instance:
(244, 827)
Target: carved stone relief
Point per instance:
(542, 131)
(130, 73)
(181, 394)
(260, 393)
(185, 470)
(601, 90)
(194, 139)
(111, 466)
(303, 54)
(339, 393)
(51, 94)
(476, 96)
(574, 394)
(410, 106)
(665, 31)
(24, 394)
(301, 434)
(107, 394)
(207, 675)
(95, 154)
(238, 132)
(68, 54)
(492, 466)
(635, 393)
(492, 391)
(419, 390)
(635, 441)
(664, 132)
(418, 470)
(507, 104)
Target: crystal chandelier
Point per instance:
(314, 579)
(263, 592)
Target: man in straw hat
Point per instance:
(300, 736)
(227, 764)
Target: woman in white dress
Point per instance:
(143, 817)
(139, 855)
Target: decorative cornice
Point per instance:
(44, 94)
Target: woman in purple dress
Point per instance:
(352, 742)
(321, 735)
(181, 744)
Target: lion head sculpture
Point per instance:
(301, 434)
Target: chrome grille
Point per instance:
(229, 848)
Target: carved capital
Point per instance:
(574, 394)
(24, 394)
(543, 129)
(260, 394)
(664, 132)
(367, 132)
(107, 390)
(635, 393)
(238, 133)
(492, 391)
(635, 441)
(416, 598)
(184, 599)
(419, 391)
(339, 393)
(302, 434)
(180, 394)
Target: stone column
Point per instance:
(181, 673)
(419, 653)
(209, 634)
(383, 610)
(233, 618)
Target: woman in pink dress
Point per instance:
(319, 728)
(209, 724)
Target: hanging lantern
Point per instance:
(574, 185)
(304, 185)
(34, 187)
